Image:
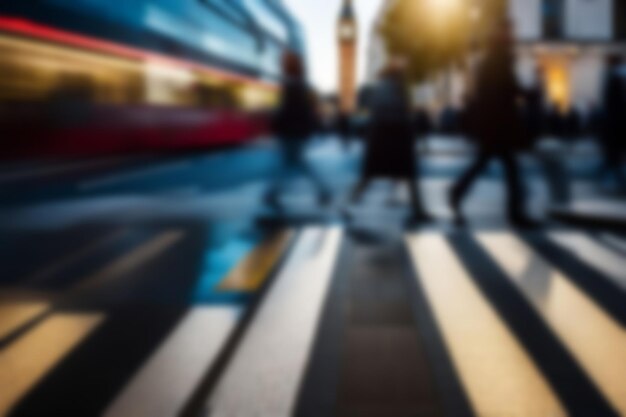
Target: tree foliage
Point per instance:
(435, 34)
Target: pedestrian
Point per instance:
(390, 146)
(495, 122)
(536, 126)
(344, 128)
(422, 123)
(535, 115)
(613, 126)
(294, 123)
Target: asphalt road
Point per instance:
(113, 269)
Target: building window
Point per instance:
(553, 19)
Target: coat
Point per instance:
(534, 113)
(494, 118)
(296, 117)
(390, 144)
(613, 129)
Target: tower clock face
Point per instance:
(346, 32)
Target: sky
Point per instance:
(319, 21)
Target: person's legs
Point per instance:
(358, 191)
(516, 200)
(556, 177)
(621, 176)
(613, 161)
(465, 181)
(417, 205)
(302, 166)
(287, 165)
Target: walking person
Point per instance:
(495, 123)
(613, 124)
(344, 128)
(294, 123)
(390, 152)
(536, 123)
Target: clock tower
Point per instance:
(347, 39)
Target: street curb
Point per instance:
(588, 220)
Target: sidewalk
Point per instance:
(607, 213)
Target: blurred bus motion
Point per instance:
(96, 76)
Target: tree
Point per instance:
(434, 34)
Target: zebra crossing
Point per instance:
(437, 323)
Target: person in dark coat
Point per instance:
(555, 122)
(294, 122)
(344, 128)
(613, 129)
(495, 123)
(422, 123)
(536, 125)
(390, 149)
(535, 115)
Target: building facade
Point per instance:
(347, 41)
(568, 39)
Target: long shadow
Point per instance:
(196, 404)
(87, 380)
(606, 294)
(611, 246)
(141, 309)
(374, 288)
(454, 399)
(575, 389)
(318, 393)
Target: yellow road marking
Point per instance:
(30, 358)
(131, 260)
(64, 262)
(498, 375)
(249, 274)
(15, 314)
(596, 340)
(265, 373)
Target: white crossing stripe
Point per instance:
(498, 375)
(265, 374)
(615, 241)
(596, 340)
(164, 384)
(26, 361)
(15, 314)
(599, 257)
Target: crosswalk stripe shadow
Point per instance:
(593, 337)
(497, 373)
(273, 350)
(577, 392)
(604, 292)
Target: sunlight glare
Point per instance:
(444, 7)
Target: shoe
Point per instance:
(346, 214)
(418, 218)
(325, 199)
(423, 216)
(524, 222)
(272, 201)
(459, 220)
(455, 205)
